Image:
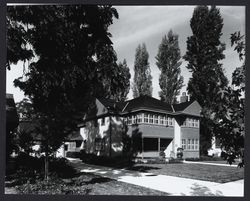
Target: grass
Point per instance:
(80, 184)
(212, 173)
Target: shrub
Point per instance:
(117, 161)
(53, 186)
(205, 158)
(73, 154)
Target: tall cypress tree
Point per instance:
(142, 78)
(168, 61)
(204, 53)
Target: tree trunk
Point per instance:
(46, 164)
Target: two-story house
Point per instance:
(161, 126)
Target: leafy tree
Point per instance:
(230, 115)
(73, 52)
(204, 52)
(168, 61)
(142, 78)
(123, 78)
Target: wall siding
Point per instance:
(156, 131)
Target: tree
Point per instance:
(230, 115)
(123, 78)
(73, 52)
(168, 61)
(204, 51)
(142, 84)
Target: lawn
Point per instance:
(81, 184)
(220, 174)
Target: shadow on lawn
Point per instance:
(142, 168)
(99, 180)
(199, 190)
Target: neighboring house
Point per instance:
(162, 127)
(72, 143)
(215, 149)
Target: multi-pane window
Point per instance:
(129, 120)
(161, 120)
(151, 119)
(183, 144)
(125, 120)
(133, 119)
(190, 122)
(146, 118)
(192, 144)
(196, 144)
(156, 120)
(170, 121)
(139, 118)
(189, 144)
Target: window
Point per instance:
(150, 144)
(161, 120)
(133, 119)
(156, 120)
(190, 122)
(151, 119)
(103, 121)
(170, 121)
(146, 117)
(183, 143)
(189, 144)
(196, 144)
(139, 118)
(165, 119)
(125, 120)
(192, 144)
(129, 120)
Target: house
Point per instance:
(161, 127)
(72, 142)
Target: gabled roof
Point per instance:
(182, 106)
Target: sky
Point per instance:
(148, 24)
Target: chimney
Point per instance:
(183, 98)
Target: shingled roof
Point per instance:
(147, 102)
(182, 106)
(143, 102)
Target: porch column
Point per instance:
(177, 136)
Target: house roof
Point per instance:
(147, 102)
(182, 106)
(143, 102)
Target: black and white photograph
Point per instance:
(135, 100)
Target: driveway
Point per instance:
(175, 186)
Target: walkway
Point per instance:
(175, 186)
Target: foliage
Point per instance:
(230, 115)
(168, 61)
(72, 154)
(75, 62)
(204, 51)
(123, 79)
(54, 186)
(142, 84)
